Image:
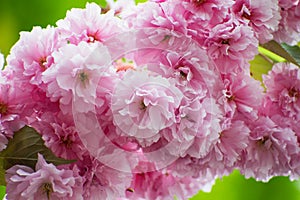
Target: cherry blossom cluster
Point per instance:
(153, 100)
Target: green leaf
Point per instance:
(260, 65)
(2, 192)
(274, 57)
(294, 51)
(23, 149)
(280, 50)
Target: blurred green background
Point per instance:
(21, 15)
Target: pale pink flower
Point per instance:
(192, 167)
(46, 182)
(149, 183)
(227, 152)
(202, 16)
(262, 16)
(231, 45)
(208, 11)
(196, 130)
(283, 90)
(160, 27)
(203, 175)
(32, 55)
(89, 25)
(241, 97)
(102, 182)
(197, 120)
(162, 16)
(29, 58)
(282, 101)
(75, 75)
(120, 6)
(270, 150)
(191, 69)
(198, 115)
(172, 18)
(289, 26)
(60, 135)
(14, 107)
(201, 134)
(223, 157)
(143, 105)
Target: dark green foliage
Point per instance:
(284, 51)
(23, 149)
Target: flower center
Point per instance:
(183, 75)
(167, 37)
(67, 142)
(142, 105)
(293, 93)
(47, 188)
(199, 2)
(221, 134)
(225, 41)
(229, 96)
(93, 38)
(130, 190)
(43, 63)
(263, 140)
(3, 108)
(246, 15)
(83, 77)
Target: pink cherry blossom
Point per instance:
(283, 90)
(143, 105)
(157, 15)
(89, 25)
(191, 79)
(4, 131)
(270, 151)
(192, 69)
(227, 151)
(153, 184)
(120, 6)
(159, 27)
(75, 75)
(208, 11)
(13, 108)
(46, 182)
(202, 135)
(102, 182)
(223, 157)
(231, 45)
(289, 27)
(60, 135)
(29, 58)
(198, 116)
(32, 55)
(262, 16)
(241, 97)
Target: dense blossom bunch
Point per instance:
(153, 100)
